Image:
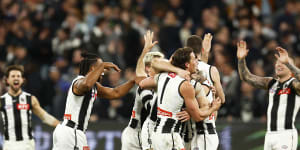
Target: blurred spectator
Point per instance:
(98, 38)
(230, 83)
(169, 34)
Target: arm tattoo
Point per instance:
(294, 70)
(246, 75)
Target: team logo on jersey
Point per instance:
(272, 90)
(86, 148)
(8, 106)
(22, 99)
(23, 106)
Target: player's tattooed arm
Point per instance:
(296, 72)
(284, 58)
(245, 74)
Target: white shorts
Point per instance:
(167, 141)
(281, 140)
(131, 139)
(64, 138)
(205, 141)
(147, 129)
(19, 145)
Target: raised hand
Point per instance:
(148, 37)
(282, 55)
(109, 65)
(242, 50)
(206, 43)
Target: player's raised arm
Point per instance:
(245, 74)
(85, 84)
(206, 47)
(161, 65)
(284, 58)
(42, 114)
(140, 69)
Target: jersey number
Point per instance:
(163, 90)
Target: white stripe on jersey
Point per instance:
(75, 105)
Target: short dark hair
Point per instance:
(194, 42)
(181, 56)
(88, 60)
(14, 67)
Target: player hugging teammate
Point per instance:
(175, 106)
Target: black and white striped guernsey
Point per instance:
(283, 105)
(78, 108)
(141, 108)
(16, 115)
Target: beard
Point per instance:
(15, 89)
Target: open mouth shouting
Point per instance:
(16, 82)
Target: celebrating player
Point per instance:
(173, 92)
(16, 107)
(283, 98)
(83, 92)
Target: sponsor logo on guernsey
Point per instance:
(67, 116)
(172, 74)
(86, 148)
(163, 112)
(133, 114)
(285, 91)
(23, 106)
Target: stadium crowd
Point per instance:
(47, 36)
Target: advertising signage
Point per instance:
(107, 136)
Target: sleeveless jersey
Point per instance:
(283, 105)
(16, 115)
(169, 102)
(78, 108)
